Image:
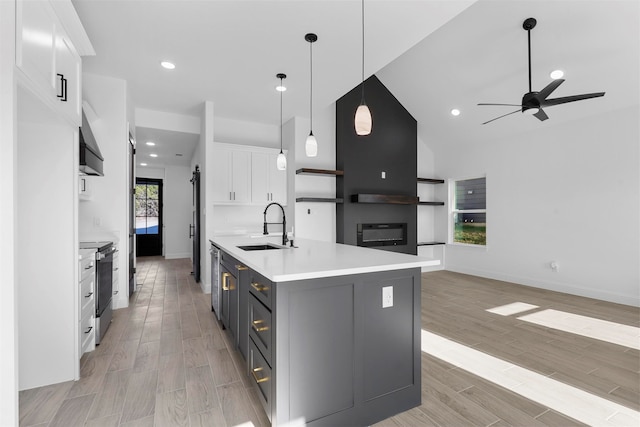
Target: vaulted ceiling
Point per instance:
(433, 55)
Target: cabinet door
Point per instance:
(277, 181)
(67, 77)
(222, 175)
(241, 176)
(260, 178)
(35, 34)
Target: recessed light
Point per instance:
(168, 65)
(455, 112)
(143, 164)
(556, 74)
(150, 143)
(153, 155)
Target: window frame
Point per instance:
(452, 212)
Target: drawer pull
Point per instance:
(225, 281)
(88, 295)
(259, 379)
(256, 325)
(241, 267)
(259, 287)
(88, 267)
(88, 330)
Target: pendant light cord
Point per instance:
(311, 87)
(362, 52)
(281, 117)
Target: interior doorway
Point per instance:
(148, 216)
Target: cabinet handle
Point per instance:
(88, 295)
(241, 267)
(88, 330)
(234, 195)
(63, 88)
(258, 379)
(115, 292)
(256, 326)
(259, 287)
(225, 283)
(89, 267)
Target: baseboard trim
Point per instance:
(631, 300)
(178, 255)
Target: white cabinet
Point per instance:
(47, 58)
(232, 176)
(86, 298)
(268, 184)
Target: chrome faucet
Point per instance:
(284, 223)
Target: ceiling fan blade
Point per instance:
(504, 115)
(565, 99)
(549, 88)
(508, 105)
(541, 115)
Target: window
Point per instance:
(469, 211)
(147, 207)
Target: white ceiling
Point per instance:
(433, 55)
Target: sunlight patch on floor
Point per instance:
(568, 400)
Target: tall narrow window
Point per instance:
(147, 208)
(469, 211)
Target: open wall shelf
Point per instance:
(319, 200)
(430, 243)
(430, 181)
(310, 171)
(395, 199)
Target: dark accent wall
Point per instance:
(391, 147)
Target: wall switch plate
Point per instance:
(383, 175)
(387, 296)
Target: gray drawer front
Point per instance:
(260, 327)
(260, 374)
(261, 287)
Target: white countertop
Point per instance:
(314, 259)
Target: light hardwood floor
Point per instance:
(166, 362)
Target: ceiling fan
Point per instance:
(532, 102)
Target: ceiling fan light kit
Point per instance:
(533, 102)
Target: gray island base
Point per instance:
(337, 349)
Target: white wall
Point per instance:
(8, 194)
(427, 214)
(105, 216)
(316, 220)
(177, 211)
(569, 193)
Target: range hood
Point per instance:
(90, 157)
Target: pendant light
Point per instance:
(363, 121)
(281, 161)
(311, 145)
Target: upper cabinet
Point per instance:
(247, 175)
(232, 176)
(268, 184)
(50, 64)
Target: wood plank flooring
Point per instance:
(166, 362)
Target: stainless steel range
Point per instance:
(104, 284)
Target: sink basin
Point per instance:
(258, 247)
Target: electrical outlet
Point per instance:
(387, 296)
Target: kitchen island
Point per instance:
(330, 332)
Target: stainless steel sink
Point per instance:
(259, 247)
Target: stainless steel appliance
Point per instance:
(386, 234)
(104, 284)
(216, 290)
